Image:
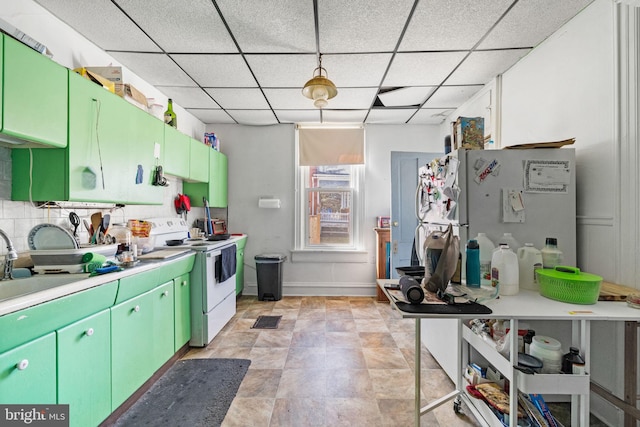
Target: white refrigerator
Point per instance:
(530, 193)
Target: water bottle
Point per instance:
(504, 270)
(529, 259)
(551, 255)
(486, 250)
(473, 264)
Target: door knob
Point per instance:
(395, 223)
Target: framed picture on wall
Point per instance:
(384, 222)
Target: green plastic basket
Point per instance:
(568, 284)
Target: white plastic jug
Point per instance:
(507, 238)
(529, 259)
(486, 252)
(504, 270)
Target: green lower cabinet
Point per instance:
(163, 326)
(28, 372)
(84, 369)
(182, 311)
(131, 346)
(240, 244)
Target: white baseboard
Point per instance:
(319, 289)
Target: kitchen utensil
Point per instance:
(174, 242)
(96, 221)
(87, 227)
(106, 219)
(75, 221)
(208, 229)
(216, 237)
(50, 236)
(568, 284)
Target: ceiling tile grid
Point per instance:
(246, 61)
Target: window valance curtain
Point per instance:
(319, 147)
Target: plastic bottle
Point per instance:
(508, 239)
(572, 359)
(473, 264)
(504, 270)
(486, 252)
(529, 259)
(549, 351)
(169, 115)
(551, 255)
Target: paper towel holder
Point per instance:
(269, 202)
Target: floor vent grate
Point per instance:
(267, 322)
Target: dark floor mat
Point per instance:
(267, 322)
(192, 393)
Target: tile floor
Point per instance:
(332, 361)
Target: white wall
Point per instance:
(261, 163)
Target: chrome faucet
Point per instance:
(11, 256)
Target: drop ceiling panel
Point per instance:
(422, 69)
(155, 68)
(101, 22)
(176, 28)
(356, 70)
(282, 71)
(254, 117)
(271, 26)
(217, 70)
(298, 116)
(451, 96)
(481, 67)
(405, 96)
(211, 116)
(344, 116)
(189, 97)
(361, 25)
(390, 115)
(531, 21)
(430, 116)
(451, 25)
(352, 98)
(239, 98)
(288, 99)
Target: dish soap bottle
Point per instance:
(169, 115)
(551, 255)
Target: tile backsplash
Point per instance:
(18, 218)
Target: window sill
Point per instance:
(329, 256)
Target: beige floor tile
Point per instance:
(286, 313)
(435, 383)
(199, 353)
(312, 313)
(384, 358)
(232, 353)
(376, 339)
(273, 338)
(302, 383)
(253, 312)
(242, 325)
(305, 358)
(349, 383)
(352, 412)
(393, 383)
(342, 339)
(340, 324)
(310, 325)
(339, 313)
(260, 383)
(345, 358)
(288, 303)
(339, 302)
(404, 339)
(371, 325)
(401, 413)
(298, 412)
(308, 339)
(426, 359)
(313, 303)
(362, 302)
(268, 358)
(239, 339)
(249, 412)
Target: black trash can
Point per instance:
(269, 275)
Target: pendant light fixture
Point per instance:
(319, 88)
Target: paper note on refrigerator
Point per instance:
(547, 176)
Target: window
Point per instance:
(330, 195)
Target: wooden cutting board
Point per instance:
(613, 292)
(163, 254)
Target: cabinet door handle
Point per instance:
(136, 308)
(165, 293)
(23, 364)
(89, 332)
(184, 283)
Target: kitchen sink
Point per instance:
(19, 287)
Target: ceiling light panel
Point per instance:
(430, 116)
(239, 98)
(343, 116)
(271, 26)
(155, 68)
(353, 98)
(254, 117)
(361, 25)
(531, 21)
(211, 116)
(189, 97)
(390, 115)
(405, 96)
(217, 70)
(482, 66)
(283, 70)
(451, 96)
(176, 28)
(451, 25)
(101, 22)
(298, 116)
(422, 69)
(356, 70)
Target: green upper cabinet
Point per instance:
(215, 191)
(175, 158)
(110, 157)
(199, 161)
(34, 97)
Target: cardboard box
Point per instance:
(96, 78)
(468, 133)
(12, 31)
(113, 74)
(132, 95)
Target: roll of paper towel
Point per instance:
(269, 203)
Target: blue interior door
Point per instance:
(404, 180)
